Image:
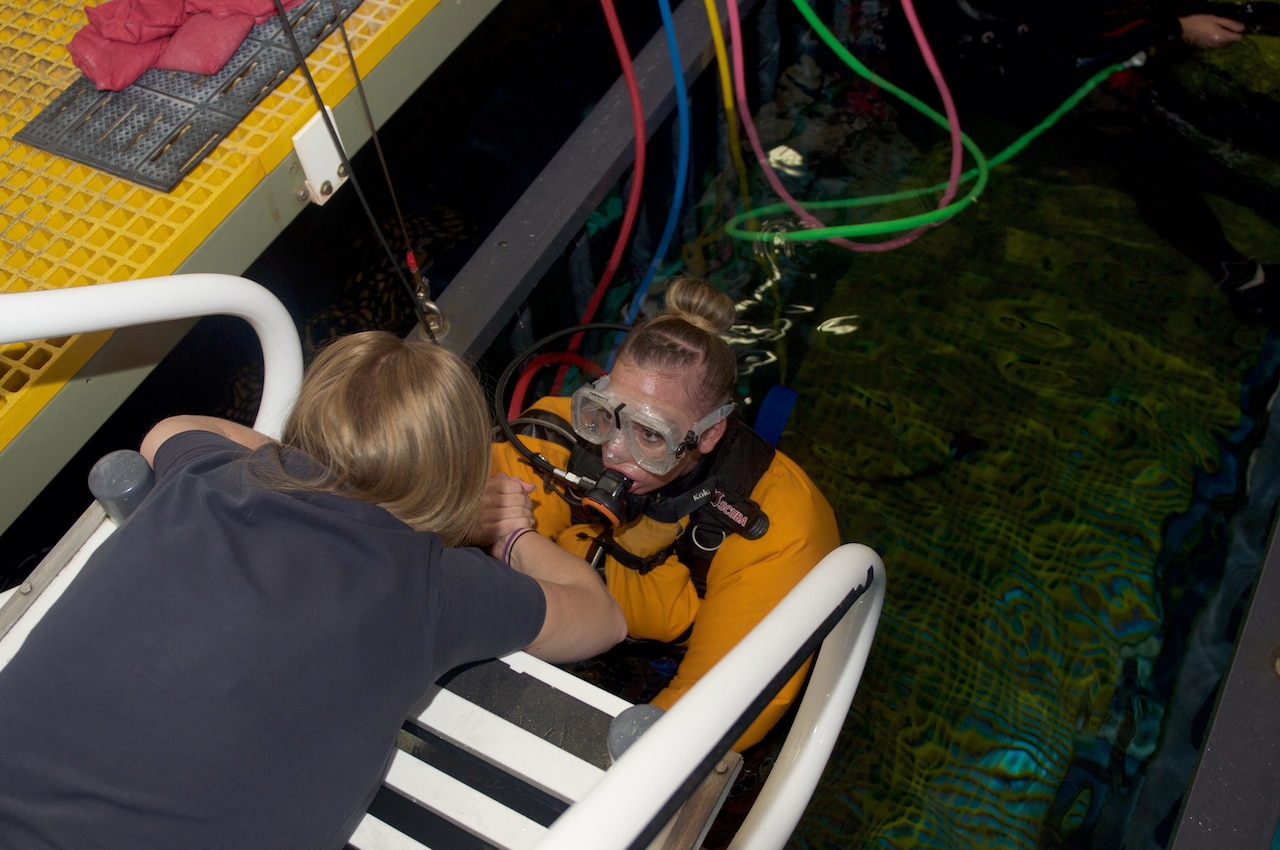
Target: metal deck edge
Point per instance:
(1234, 796)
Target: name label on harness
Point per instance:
(728, 510)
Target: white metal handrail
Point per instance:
(636, 788)
(820, 717)
(26, 316)
(29, 316)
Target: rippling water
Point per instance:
(1040, 415)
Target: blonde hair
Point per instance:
(686, 336)
(397, 423)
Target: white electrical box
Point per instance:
(321, 162)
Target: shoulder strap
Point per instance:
(739, 462)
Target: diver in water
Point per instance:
(713, 526)
(1020, 60)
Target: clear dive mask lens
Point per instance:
(654, 443)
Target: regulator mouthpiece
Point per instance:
(608, 498)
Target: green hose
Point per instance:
(980, 171)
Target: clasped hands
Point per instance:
(504, 508)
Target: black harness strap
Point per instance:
(739, 461)
(643, 566)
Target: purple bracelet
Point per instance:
(511, 543)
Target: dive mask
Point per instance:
(654, 442)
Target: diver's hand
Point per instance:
(504, 508)
(1210, 31)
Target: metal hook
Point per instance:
(435, 323)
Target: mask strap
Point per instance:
(700, 427)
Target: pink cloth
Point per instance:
(112, 65)
(136, 21)
(125, 38)
(204, 43)
(260, 10)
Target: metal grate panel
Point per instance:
(157, 130)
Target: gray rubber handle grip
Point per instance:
(120, 481)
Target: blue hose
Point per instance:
(682, 165)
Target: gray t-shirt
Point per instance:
(232, 665)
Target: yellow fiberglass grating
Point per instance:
(62, 223)
(65, 224)
(32, 372)
(21, 363)
(155, 131)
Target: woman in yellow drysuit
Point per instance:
(704, 487)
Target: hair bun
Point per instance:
(700, 304)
